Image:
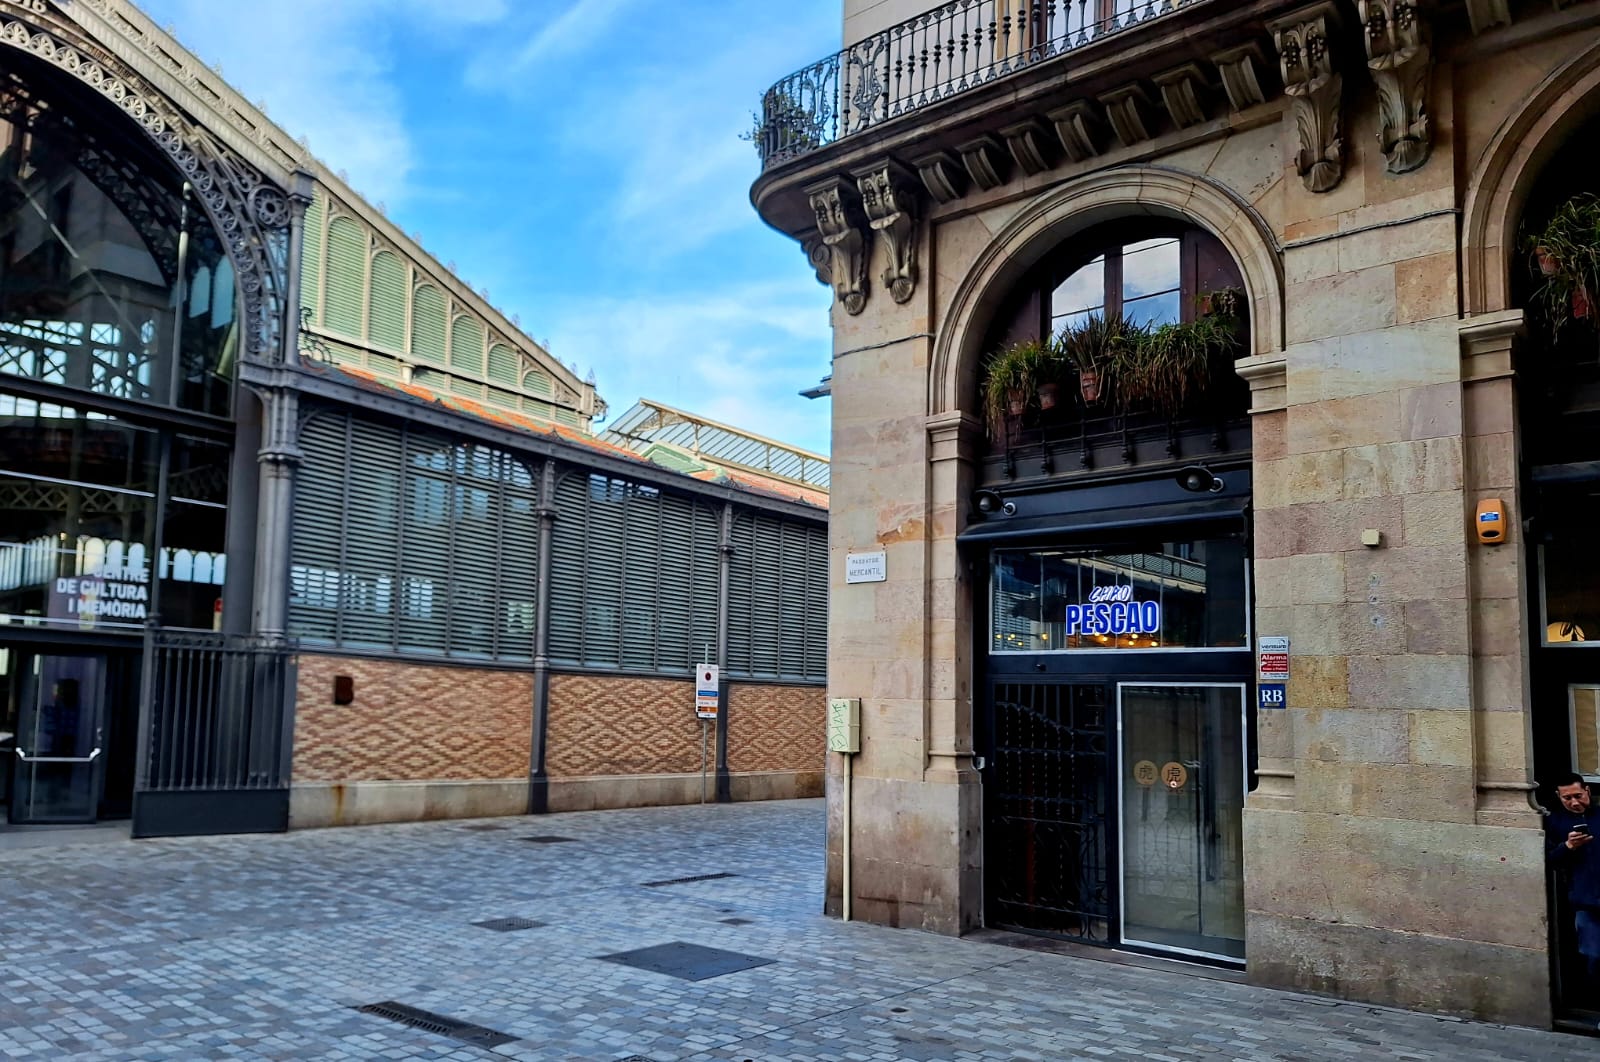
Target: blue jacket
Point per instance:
(1583, 864)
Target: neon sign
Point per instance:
(1112, 610)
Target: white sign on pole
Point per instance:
(1273, 654)
(866, 567)
(706, 692)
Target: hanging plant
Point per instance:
(1092, 350)
(1167, 367)
(1011, 381)
(1566, 254)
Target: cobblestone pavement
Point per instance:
(260, 947)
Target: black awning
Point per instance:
(1199, 509)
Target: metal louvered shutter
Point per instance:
(428, 325)
(466, 345)
(311, 257)
(347, 277)
(641, 575)
(793, 574)
(430, 543)
(318, 533)
(373, 536)
(503, 363)
(767, 599)
(705, 552)
(516, 586)
(816, 658)
(387, 309)
(475, 504)
(569, 549)
(741, 600)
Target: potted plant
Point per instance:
(1165, 367)
(1011, 379)
(1566, 253)
(1092, 348)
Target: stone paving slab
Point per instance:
(260, 947)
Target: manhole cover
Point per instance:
(692, 962)
(548, 839)
(506, 925)
(734, 921)
(685, 881)
(428, 1021)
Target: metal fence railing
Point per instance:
(955, 47)
(219, 714)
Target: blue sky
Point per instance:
(579, 159)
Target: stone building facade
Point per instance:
(1366, 175)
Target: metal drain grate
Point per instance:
(428, 1021)
(506, 925)
(692, 962)
(548, 839)
(734, 921)
(684, 881)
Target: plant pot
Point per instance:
(1549, 265)
(1016, 403)
(1047, 395)
(1089, 385)
(1582, 305)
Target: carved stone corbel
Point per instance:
(837, 206)
(985, 161)
(1031, 145)
(1401, 60)
(1241, 68)
(1485, 15)
(1125, 109)
(818, 255)
(1305, 58)
(889, 198)
(1078, 127)
(942, 175)
(1181, 92)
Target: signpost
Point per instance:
(707, 700)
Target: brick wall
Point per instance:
(609, 725)
(777, 728)
(410, 722)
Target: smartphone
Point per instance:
(1582, 828)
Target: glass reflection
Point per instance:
(1172, 595)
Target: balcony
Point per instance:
(952, 49)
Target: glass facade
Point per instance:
(1178, 595)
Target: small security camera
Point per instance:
(1200, 480)
(989, 501)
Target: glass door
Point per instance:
(58, 742)
(1181, 748)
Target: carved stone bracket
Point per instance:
(837, 206)
(1305, 58)
(1182, 90)
(1078, 127)
(1031, 145)
(889, 198)
(1241, 69)
(1401, 60)
(985, 161)
(1125, 109)
(819, 256)
(943, 176)
(1487, 14)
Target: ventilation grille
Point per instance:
(428, 1021)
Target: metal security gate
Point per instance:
(1047, 810)
(214, 748)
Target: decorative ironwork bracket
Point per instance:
(889, 198)
(1305, 58)
(1401, 60)
(837, 205)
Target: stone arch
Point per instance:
(1075, 206)
(1514, 159)
(250, 213)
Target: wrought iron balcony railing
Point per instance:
(951, 49)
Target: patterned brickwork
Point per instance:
(410, 722)
(777, 728)
(608, 725)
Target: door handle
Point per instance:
(21, 755)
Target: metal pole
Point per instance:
(538, 781)
(704, 729)
(724, 684)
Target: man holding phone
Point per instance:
(1569, 834)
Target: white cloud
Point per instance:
(740, 354)
(581, 26)
(324, 71)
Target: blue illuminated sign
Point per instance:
(1112, 610)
